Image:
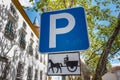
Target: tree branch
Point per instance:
(101, 67)
(116, 51)
(64, 3)
(93, 55)
(71, 3)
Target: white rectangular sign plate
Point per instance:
(64, 63)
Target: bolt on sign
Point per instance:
(64, 63)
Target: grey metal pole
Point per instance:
(64, 77)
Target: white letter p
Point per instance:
(64, 29)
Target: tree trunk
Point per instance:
(101, 67)
(85, 73)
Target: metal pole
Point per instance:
(64, 77)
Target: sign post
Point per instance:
(63, 77)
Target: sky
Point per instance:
(26, 3)
(31, 14)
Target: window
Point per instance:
(24, 25)
(22, 40)
(4, 68)
(40, 58)
(9, 31)
(31, 34)
(29, 77)
(30, 47)
(36, 74)
(9, 25)
(41, 75)
(36, 55)
(22, 37)
(3, 14)
(37, 41)
(20, 70)
(12, 9)
(12, 12)
(30, 50)
(22, 34)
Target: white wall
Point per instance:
(16, 54)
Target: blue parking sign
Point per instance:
(63, 31)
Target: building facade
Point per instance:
(19, 55)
